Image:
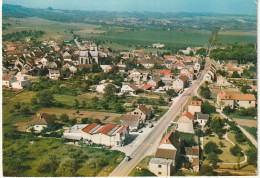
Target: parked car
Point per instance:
(127, 158)
(140, 131)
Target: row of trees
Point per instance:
(20, 36)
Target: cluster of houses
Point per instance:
(235, 100)
(170, 153)
(58, 59)
(18, 81)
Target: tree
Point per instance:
(211, 147)
(217, 124)
(205, 92)
(206, 170)
(17, 106)
(195, 98)
(201, 51)
(221, 144)
(245, 88)
(67, 168)
(83, 104)
(240, 137)
(208, 131)
(45, 99)
(207, 108)
(25, 110)
(171, 92)
(236, 150)
(73, 121)
(228, 110)
(109, 91)
(119, 108)
(34, 101)
(64, 118)
(76, 103)
(235, 75)
(252, 156)
(96, 68)
(213, 159)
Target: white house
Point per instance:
(194, 107)
(21, 81)
(129, 88)
(41, 121)
(7, 79)
(167, 155)
(185, 123)
(54, 74)
(202, 119)
(100, 88)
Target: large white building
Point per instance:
(109, 135)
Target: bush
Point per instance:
(64, 118)
(228, 110)
(240, 137)
(236, 150)
(206, 170)
(211, 147)
(207, 108)
(252, 156)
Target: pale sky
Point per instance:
(215, 6)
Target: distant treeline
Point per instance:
(20, 36)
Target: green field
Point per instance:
(123, 38)
(169, 38)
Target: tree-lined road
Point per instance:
(151, 142)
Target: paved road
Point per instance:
(151, 142)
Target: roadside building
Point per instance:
(167, 155)
(194, 107)
(133, 121)
(185, 123)
(143, 111)
(54, 74)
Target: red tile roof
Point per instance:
(89, 127)
(146, 87)
(223, 95)
(246, 97)
(195, 103)
(164, 72)
(122, 129)
(106, 128)
(188, 115)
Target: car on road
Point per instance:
(127, 158)
(140, 131)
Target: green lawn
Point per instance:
(235, 115)
(251, 130)
(144, 164)
(226, 155)
(148, 37)
(90, 161)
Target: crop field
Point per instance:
(148, 37)
(54, 30)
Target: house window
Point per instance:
(159, 173)
(249, 102)
(159, 166)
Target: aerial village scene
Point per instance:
(111, 89)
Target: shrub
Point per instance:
(252, 156)
(64, 118)
(240, 137)
(235, 150)
(211, 147)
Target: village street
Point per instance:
(150, 141)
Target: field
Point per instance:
(83, 114)
(247, 123)
(54, 30)
(169, 38)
